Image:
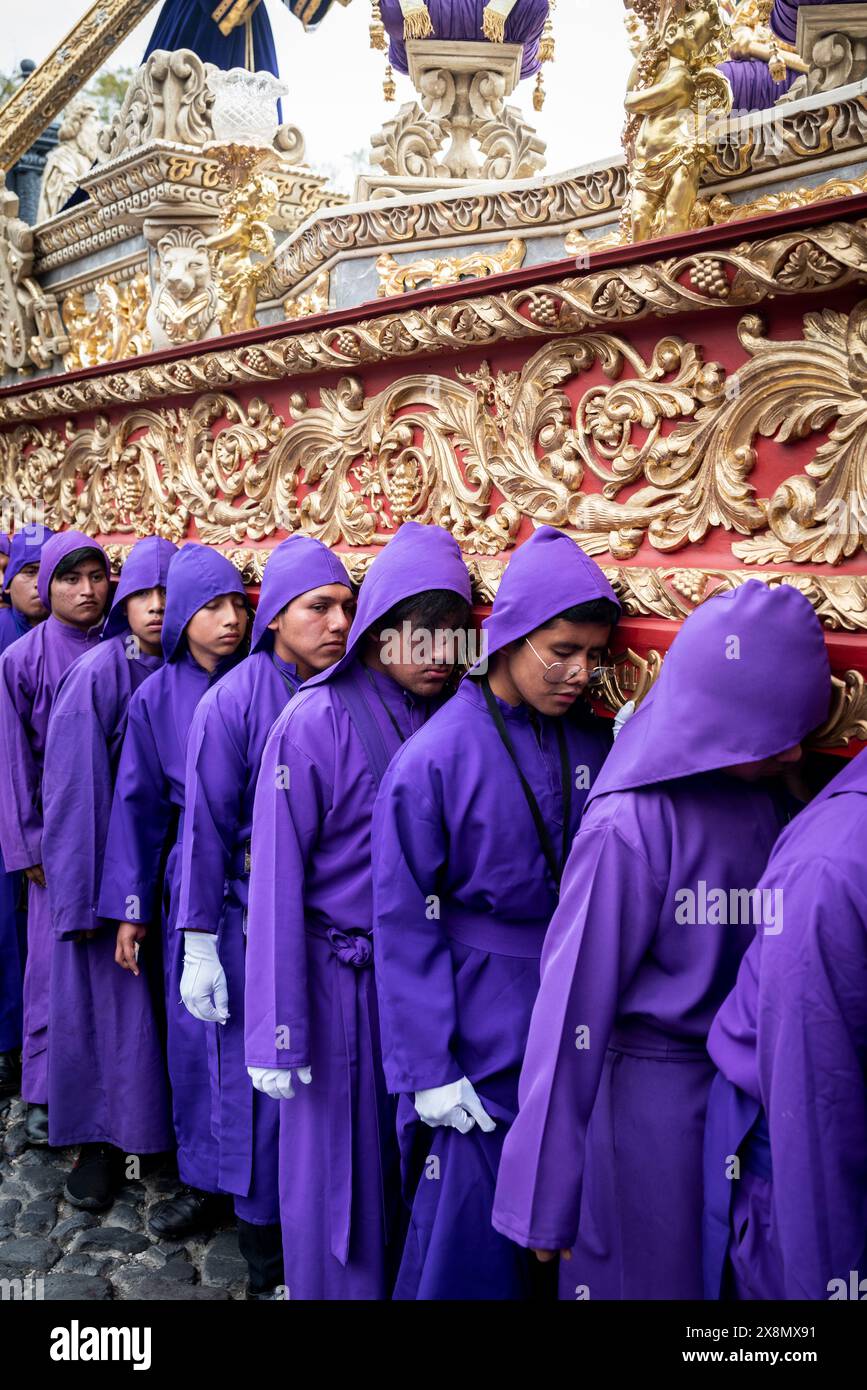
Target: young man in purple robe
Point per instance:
(786, 1134)
(311, 1014)
(302, 622)
(23, 611)
(654, 916)
(472, 827)
(204, 626)
(107, 1083)
(73, 586)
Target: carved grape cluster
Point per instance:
(709, 277)
(545, 311)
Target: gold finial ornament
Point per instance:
(539, 92)
(389, 88)
(377, 28)
(674, 87)
(417, 23)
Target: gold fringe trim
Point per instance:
(493, 26)
(417, 25)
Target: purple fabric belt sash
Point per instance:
(521, 940)
(351, 1022)
(636, 1038)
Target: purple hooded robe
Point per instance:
(456, 989)
(607, 1146)
(107, 1079)
(25, 549)
(142, 851)
(310, 996)
(790, 1042)
(30, 671)
(224, 751)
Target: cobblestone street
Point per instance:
(79, 1255)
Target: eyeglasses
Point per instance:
(558, 672)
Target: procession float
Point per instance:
(664, 354)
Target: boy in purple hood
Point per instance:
(107, 1086)
(302, 622)
(655, 913)
(471, 830)
(205, 623)
(73, 586)
(311, 1014)
(786, 1136)
(24, 611)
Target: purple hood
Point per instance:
(146, 567)
(196, 575)
(55, 549)
(417, 559)
(296, 566)
(719, 699)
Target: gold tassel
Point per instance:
(377, 30)
(389, 89)
(493, 26)
(546, 43)
(417, 23)
(777, 65)
(539, 92)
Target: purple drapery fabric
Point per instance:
(462, 19)
(107, 1080)
(224, 751)
(142, 852)
(30, 671)
(310, 996)
(457, 984)
(616, 1075)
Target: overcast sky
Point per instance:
(336, 78)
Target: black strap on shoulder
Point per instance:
(565, 780)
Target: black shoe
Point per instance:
(94, 1181)
(36, 1126)
(266, 1296)
(186, 1214)
(10, 1073)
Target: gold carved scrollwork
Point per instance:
(668, 444)
(815, 260)
(115, 328)
(397, 278)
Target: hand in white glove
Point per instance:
(276, 1082)
(203, 981)
(623, 715)
(456, 1105)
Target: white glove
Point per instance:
(276, 1082)
(623, 715)
(203, 977)
(456, 1105)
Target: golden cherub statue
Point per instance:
(243, 232)
(673, 89)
